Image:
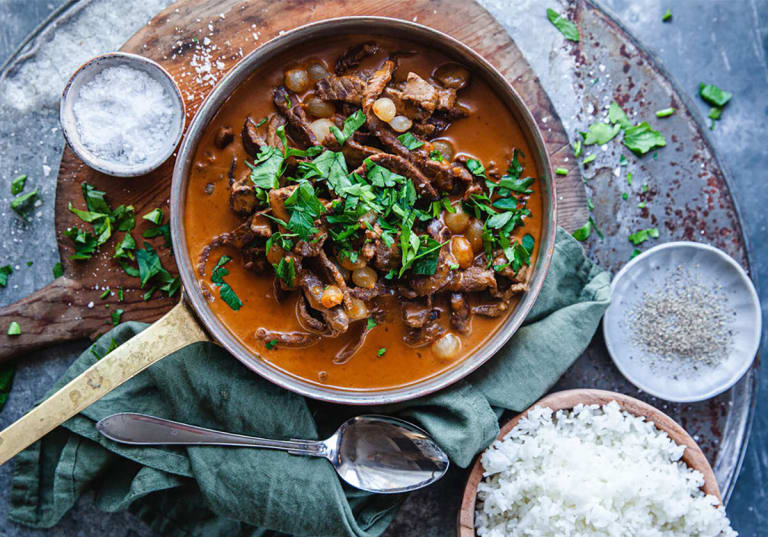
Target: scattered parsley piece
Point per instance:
(351, 124)
(641, 205)
(410, 141)
(589, 158)
(381, 351)
(623, 160)
(30, 263)
(14, 329)
(436, 155)
(566, 27)
(120, 295)
(667, 16)
(267, 167)
(601, 133)
(226, 292)
(715, 113)
(17, 185)
(271, 344)
(577, 148)
(112, 346)
(713, 95)
(149, 293)
(617, 116)
(476, 167)
(561, 171)
(636, 252)
(665, 112)
(23, 203)
(58, 270)
(629, 178)
(6, 381)
(155, 216)
(641, 138)
(115, 316)
(370, 323)
(583, 232)
(453, 266)
(624, 196)
(645, 188)
(5, 271)
(106, 293)
(643, 235)
(286, 270)
(590, 205)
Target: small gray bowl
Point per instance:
(85, 74)
(680, 382)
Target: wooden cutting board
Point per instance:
(198, 41)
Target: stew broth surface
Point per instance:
(489, 133)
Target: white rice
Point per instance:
(592, 471)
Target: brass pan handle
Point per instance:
(177, 329)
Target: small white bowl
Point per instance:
(652, 374)
(85, 74)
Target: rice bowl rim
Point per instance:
(693, 457)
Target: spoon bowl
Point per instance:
(373, 453)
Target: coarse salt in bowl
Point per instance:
(122, 114)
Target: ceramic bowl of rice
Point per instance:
(592, 463)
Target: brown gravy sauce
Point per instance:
(490, 133)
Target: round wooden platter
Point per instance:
(566, 400)
(198, 41)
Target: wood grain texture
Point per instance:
(235, 28)
(177, 329)
(568, 399)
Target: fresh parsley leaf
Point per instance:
(641, 205)
(17, 185)
(410, 141)
(155, 216)
(561, 171)
(629, 178)
(14, 329)
(124, 250)
(476, 167)
(370, 324)
(624, 196)
(715, 113)
(601, 133)
(106, 293)
(623, 160)
(577, 148)
(267, 168)
(589, 158)
(333, 168)
(520, 186)
(351, 124)
(499, 220)
(286, 270)
(23, 203)
(58, 270)
(636, 252)
(583, 232)
(436, 155)
(643, 235)
(528, 242)
(271, 344)
(5, 271)
(381, 351)
(304, 207)
(641, 138)
(164, 231)
(149, 264)
(229, 296)
(617, 116)
(149, 293)
(566, 27)
(713, 95)
(453, 266)
(85, 243)
(665, 112)
(226, 292)
(115, 316)
(667, 16)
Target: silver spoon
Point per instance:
(373, 453)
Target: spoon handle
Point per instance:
(143, 430)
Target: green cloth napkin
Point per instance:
(212, 491)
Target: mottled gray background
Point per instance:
(719, 41)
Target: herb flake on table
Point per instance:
(667, 16)
(106, 293)
(155, 216)
(589, 158)
(21, 204)
(601, 133)
(566, 27)
(7, 372)
(14, 329)
(617, 116)
(370, 324)
(713, 95)
(643, 235)
(5, 271)
(641, 138)
(665, 112)
(115, 316)
(58, 270)
(583, 232)
(561, 171)
(17, 185)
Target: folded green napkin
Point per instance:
(212, 491)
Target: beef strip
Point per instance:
(290, 107)
(426, 96)
(460, 313)
(287, 339)
(254, 258)
(345, 88)
(491, 309)
(242, 195)
(473, 279)
(251, 137)
(239, 238)
(404, 107)
(308, 321)
(367, 295)
(261, 226)
(429, 332)
(355, 153)
(386, 258)
(416, 313)
(354, 55)
(224, 137)
(402, 166)
(275, 121)
(277, 199)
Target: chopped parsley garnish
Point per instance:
(155, 216)
(58, 269)
(566, 27)
(624, 196)
(381, 351)
(635, 252)
(23, 203)
(561, 171)
(370, 324)
(713, 95)
(351, 124)
(115, 316)
(641, 138)
(151, 269)
(17, 185)
(641, 205)
(286, 270)
(629, 178)
(453, 266)
(623, 160)
(112, 346)
(583, 232)
(643, 235)
(666, 112)
(589, 158)
(6, 382)
(577, 148)
(476, 167)
(14, 329)
(601, 133)
(106, 293)
(617, 116)
(271, 344)
(5, 271)
(436, 155)
(226, 292)
(667, 16)
(261, 122)
(410, 141)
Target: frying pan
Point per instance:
(192, 319)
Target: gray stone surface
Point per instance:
(720, 41)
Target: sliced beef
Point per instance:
(472, 280)
(261, 226)
(224, 137)
(427, 333)
(242, 195)
(416, 313)
(253, 141)
(294, 112)
(376, 84)
(491, 309)
(254, 258)
(275, 121)
(402, 166)
(287, 339)
(367, 295)
(308, 320)
(277, 199)
(345, 88)
(354, 55)
(355, 153)
(443, 276)
(460, 313)
(404, 107)
(386, 258)
(420, 92)
(350, 349)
